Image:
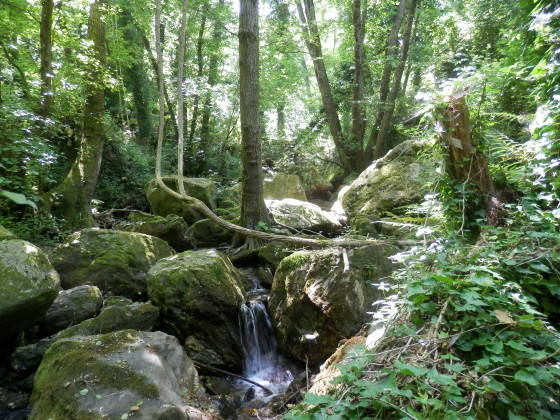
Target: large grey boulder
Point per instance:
(141, 375)
(321, 297)
(171, 228)
(283, 186)
(305, 216)
(114, 261)
(314, 184)
(397, 179)
(206, 234)
(163, 203)
(71, 307)
(199, 294)
(28, 285)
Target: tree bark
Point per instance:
(46, 69)
(313, 43)
(199, 75)
(72, 198)
(180, 97)
(358, 108)
(253, 208)
(389, 110)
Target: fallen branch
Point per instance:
(205, 366)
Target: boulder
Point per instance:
(118, 313)
(305, 216)
(283, 186)
(114, 261)
(314, 184)
(171, 228)
(71, 307)
(207, 234)
(6, 234)
(397, 179)
(229, 196)
(199, 294)
(321, 297)
(142, 375)
(163, 203)
(28, 285)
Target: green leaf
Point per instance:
(484, 281)
(523, 375)
(415, 290)
(444, 279)
(518, 346)
(407, 369)
(124, 416)
(18, 198)
(495, 385)
(84, 391)
(313, 399)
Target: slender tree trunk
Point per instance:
(385, 82)
(389, 110)
(200, 70)
(358, 107)
(313, 43)
(46, 69)
(72, 198)
(12, 61)
(253, 208)
(180, 97)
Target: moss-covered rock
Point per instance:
(314, 184)
(163, 203)
(305, 216)
(397, 179)
(321, 297)
(171, 228)
(144, 375)
(114, 261)
(273, 253)
(207, 234)
(283, 186)
(6, 234)
(28, 285)
(199, 294)
(71, 307)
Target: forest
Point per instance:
(433, 124)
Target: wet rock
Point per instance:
(116, 262)
(163, 203)
(321, 297)
(144, 375)
(28, 285)
(171, 228)
(71, 307)
(199, 294)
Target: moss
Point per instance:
(70, 366)
(294, 261)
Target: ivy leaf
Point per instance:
(503, 317)
(407, 369)
(18, 198)
(518, 346)
(84, 391)
(313, 399)
(496, 386)
(524, 375)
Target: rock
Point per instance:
(163, 203)
(28, 285)
(171, 228)
(114, 261)
(207, 234)
(118, 313)
(283, 186)
(229, 196)
(321, 297)
(71, 307)
(199, 294)
(305, 216)
(314, 184)
(6, 234)
(273, 253)
(144, 375)
(397, 179)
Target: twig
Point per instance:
(225, 372)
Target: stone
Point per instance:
(199, 294)
(71, 307)
(28, 285)
(305, 216)
(137, 374)
(114, 261)
(163, 203)
(207, 234)
(321, 297)
(283, 186)
(314, 184)
(6, 234)
(397, 179)
(171, 228)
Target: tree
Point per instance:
(72, 198)
(46, 70)
(253, 208)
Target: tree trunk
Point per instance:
(253, 208)
(389, 110)
(180, 97)
(313, 43)
(46, 69)
(72, 198)
(385, 82)
(196, 100)
(358, 108)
